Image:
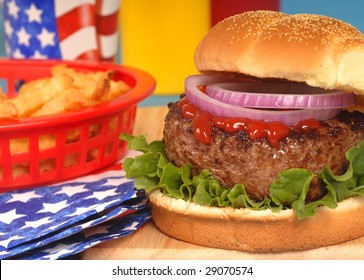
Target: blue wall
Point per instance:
(350, 11)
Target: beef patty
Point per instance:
(233, 158)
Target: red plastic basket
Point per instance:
(88, 152)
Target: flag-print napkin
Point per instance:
(60, 220)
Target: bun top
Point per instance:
(319, 50)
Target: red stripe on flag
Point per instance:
(93, 55)
(107, 25)
(75, 19)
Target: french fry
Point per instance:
(39, 92)
(34, 96)
(87, 81)
(31, 85)
(69, 100)
(98, 92)
(8, 110)
(82, 80)
(117, 88)
(94, 85)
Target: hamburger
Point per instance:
(264, 151)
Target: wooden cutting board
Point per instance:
(149, 243)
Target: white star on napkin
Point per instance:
(5, 243)
(53, 207)
(100, 195)
(23, 197)
(112, 182)
(10, 216)
(71, 190)
(37, 223)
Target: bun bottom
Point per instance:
(257, 231)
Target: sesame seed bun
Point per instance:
(319, 50)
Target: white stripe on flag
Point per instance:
(108, 45)
(79, 42)
(109, 7)
(64, 6)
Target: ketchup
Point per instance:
(202, 127)
(308, 124)
(203, 123)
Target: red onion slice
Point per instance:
(218, 108)
(279, 95)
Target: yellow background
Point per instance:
(160, 37)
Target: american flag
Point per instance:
(77, 29)
(60, 220)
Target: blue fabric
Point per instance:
(59, 220)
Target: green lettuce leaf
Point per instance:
(152, 171)
(352, 181)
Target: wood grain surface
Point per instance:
(149, 243)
